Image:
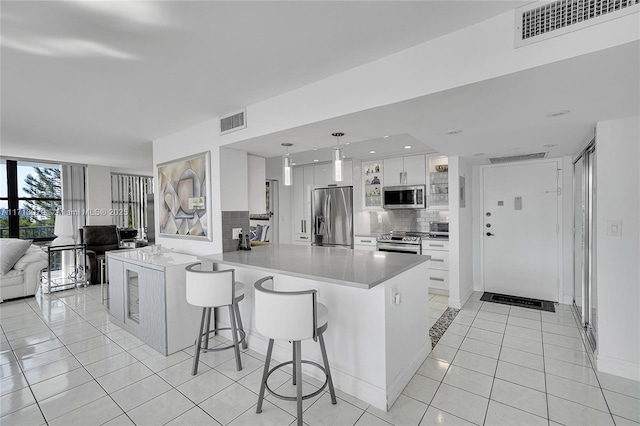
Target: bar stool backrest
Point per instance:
(283, 315)
(209, 289)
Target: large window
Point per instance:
(128, 201)
(30, 195)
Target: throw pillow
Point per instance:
(11, 250)
(252, 230)
(33, 255)
(258, 233)
(265, 233)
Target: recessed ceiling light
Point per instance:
(347, 143)
(558, 113)
(293, 164)
(549, 145)
(408, 147)
(315, 149)
(454, 132)
(315, 161)
(513, 148)
(372, 152)
(478, 154)
(385, 136)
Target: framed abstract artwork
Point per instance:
(184, 192)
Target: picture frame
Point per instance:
(184, 192)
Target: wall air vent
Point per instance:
(232, 122)
(512, 158)
(544, 20)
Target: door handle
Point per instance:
(489, 234)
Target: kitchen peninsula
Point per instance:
(378, 332)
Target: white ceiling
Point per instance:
(85, 81)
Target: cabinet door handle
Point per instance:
(304, 238)
(365, 241)
(437, 260)
(436, 279)
(436, 245)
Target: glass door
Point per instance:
(133, 298)
(584, 286)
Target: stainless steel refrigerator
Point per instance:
(332, 214)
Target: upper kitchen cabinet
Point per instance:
(438, 182)
(302, 187)
(323, 175)
(372, 184)
(409, 170)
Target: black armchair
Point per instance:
(99, 239)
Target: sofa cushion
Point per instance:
(33, 254)
(12, 250)
(13, 277)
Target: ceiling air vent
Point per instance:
(550, 19)
(232, 122)
(512, 158)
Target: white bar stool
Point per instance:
(293, 316)
(214, 289)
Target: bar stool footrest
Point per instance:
(243, 336)
(293, 398)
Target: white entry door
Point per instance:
(520, 230)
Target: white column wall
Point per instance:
(98, 195)
(618, 257)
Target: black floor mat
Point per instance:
(523, 302)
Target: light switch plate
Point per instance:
(614, 228)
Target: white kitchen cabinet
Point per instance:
(438, 272)
(303, 178)
(323, 175)
(365, 243)
(438, 182)
(410, 170)
(147, 298)
(372, 185)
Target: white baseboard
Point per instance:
(459, 303)
(618, 367)
(396, 388)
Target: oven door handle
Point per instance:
(399, 247)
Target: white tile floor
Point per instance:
(63, 363)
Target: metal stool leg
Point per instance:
(293, 358)
(265, 374)
(196, 355)
(326, 369)
(205, 345)
(298, 369)
(234, 335)
(240, 326)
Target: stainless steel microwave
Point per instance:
(404, 197)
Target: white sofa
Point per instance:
(24, 278)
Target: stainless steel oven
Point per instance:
(439, 229)
(399, 242)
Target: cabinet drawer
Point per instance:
(365, 241)
(438, 279)
(439, 259)
(301, 238)
(432, 244)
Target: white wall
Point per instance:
(618, 257)
(463, 274)
(98, 195)
(234, 181)
(566, 276)
(257, 173)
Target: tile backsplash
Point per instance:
(405, 220)
(230, 220)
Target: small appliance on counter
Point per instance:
(439, 229)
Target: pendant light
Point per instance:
(286, 166)
(338, 171)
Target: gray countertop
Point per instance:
(354, 268)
